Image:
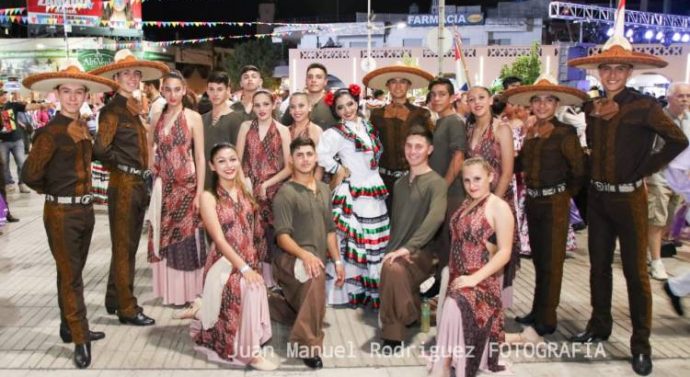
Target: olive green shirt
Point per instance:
(419, 209)
(449, 137)
(306, 216)
(225, 130)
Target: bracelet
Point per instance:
(244, 269)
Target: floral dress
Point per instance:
(181, 246)
(242, 323)
(480, 309)
(261, 160)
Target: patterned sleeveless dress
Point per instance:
(480, 307)
(240, 224)
(181, 247)
(261, 160)
(489, 149)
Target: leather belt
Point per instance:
(80, 200)
(134, 171)
(393, 173)
(621, 187)
(546, 191)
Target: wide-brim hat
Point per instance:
(545, 85)
(125, 59)
(71, 74)
(618, 50)
(378, 78)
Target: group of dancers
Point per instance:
(325, 207)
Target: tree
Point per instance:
(527, 67)
(261, 53)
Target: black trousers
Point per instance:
(127, 201)
(622, 216)
(548, 232)
(69, 229)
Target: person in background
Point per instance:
(662, 200)
(12, 141)
(320, 114)
(218, 127)
(393, 121)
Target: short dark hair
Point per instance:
(319, 66)
(442, 81)
(301, 142)
(248, 68)
(219, 77)
(510, 80)
(418, 130)
(154, 83)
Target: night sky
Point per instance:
(307, 11)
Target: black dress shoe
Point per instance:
(390, 347)
(313, 362)
(82, 355)
(66, 335)
(587, 337)
(525, 319)
(544, 329)
(12, 219)
(642, 364)
(140, 319)
(675, 300)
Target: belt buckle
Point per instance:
(86, 200)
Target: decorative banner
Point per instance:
(9, 11)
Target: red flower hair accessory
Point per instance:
(328, 98)
(354, 90)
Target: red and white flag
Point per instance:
(619, 20)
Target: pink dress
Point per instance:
(242, 323)
(178, 268)
(472, 321)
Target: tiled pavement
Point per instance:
(29, 321)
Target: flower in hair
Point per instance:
(354, 90)
(329, 98)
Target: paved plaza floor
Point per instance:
(29, 320)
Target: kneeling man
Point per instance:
(419, 208)
(305, 231)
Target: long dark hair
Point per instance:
(339, 93)
(177, 75)
(471, 119)
(239, 177)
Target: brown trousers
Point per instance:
(127, 201)
(548, 220)
(399, 292)
(69, 229)
(302, 305)
(622, 216)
